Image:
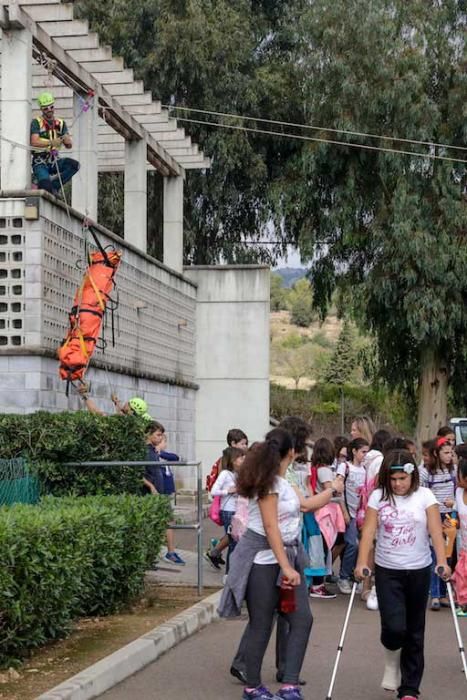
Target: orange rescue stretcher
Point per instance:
(87, 314)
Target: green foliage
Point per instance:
(292, 341)
(322, 401)
(223, 56)
(322, 340)
(47, 440)
(344, 358)
(279, 293)
(387, 228)
(300, 302)
(67, 558)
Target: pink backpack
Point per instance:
(365, 492)
(215, 510)
(239, 524)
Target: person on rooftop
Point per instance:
(48, 134)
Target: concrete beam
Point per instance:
(121, 76)
(49, 12)
(153, 108)
(166, 135)
(115, 64)
(203, 164)
(135, 88)
(161, 127)
(103, 53)
(77, 27)
(90, 41)
(129, 100)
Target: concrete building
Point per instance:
(192, 341)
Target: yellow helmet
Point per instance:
(138, 406)
(45, 99)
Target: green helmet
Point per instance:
(146, 416)
(138, 406)
(45, 99)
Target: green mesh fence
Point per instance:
(17, 485)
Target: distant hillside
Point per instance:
(290, 275)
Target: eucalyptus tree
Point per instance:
(389, 229)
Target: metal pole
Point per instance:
(199, 494)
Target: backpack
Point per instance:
(239, 524)
(212, 476)
(215, 510)
(365, 492)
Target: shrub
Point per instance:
(67, 558)
(47, 440)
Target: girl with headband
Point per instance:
(402, 515)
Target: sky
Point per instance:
(291, 260)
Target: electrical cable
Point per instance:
(317, 128)
(431, 156)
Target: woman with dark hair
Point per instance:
(402, 515)
(268, 562)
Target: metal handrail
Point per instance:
(198, 526)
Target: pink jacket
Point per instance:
(459, 579)
(331, 522)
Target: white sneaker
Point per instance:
(372, 600)
(392, 670)
(345, 586)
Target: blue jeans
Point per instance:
(226, 517)
(46, 173)
(349, 558)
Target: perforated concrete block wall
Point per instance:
(41, 266)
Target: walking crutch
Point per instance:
(440, 571)
(340, 646)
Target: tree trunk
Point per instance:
(433, 396)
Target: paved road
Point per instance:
(198, 668)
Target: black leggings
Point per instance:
(262, 598)
(402, 599)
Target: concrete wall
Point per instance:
(232, 354)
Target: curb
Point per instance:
(108, 672)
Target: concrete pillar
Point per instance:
(136, 194)
(15, 169)
(84, 134)
(173, 222)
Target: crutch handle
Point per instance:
(440, 571)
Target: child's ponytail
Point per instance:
(262, 464)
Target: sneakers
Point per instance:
(372, 600)
(345, 586)
(321, 592)
(289, 694)
(460, 612)
(409, 697)
(174, 558)
(260, 693)
(214, 561)
(392, 670)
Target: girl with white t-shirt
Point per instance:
(225, 486)
(355, 476)
(269, 558)
(402, 515)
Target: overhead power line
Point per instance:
(300, 137)
(317, 128)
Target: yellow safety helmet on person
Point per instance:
(45, 99)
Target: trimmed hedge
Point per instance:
(46, 440)
(68, 558)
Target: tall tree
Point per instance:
(390, 229)
(235, 57)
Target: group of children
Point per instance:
(327, 501)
